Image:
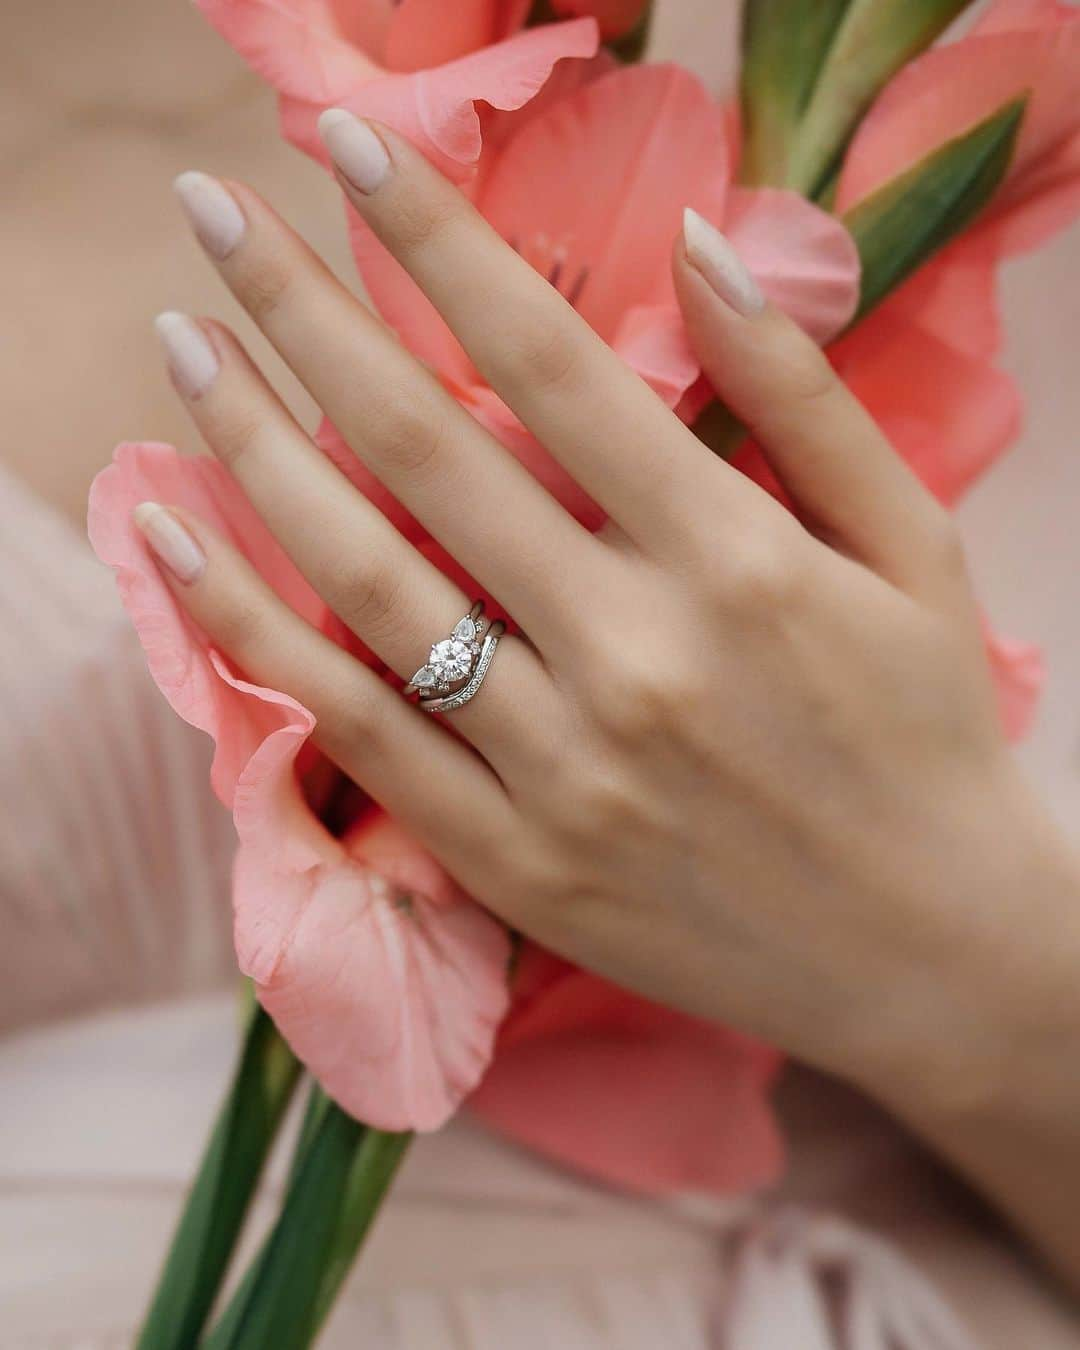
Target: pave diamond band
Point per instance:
(456, 666)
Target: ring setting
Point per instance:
(457, 664)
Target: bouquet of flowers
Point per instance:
(874, 172)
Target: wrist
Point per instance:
(991, 1027)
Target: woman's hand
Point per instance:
(749, 766)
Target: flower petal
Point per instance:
(627, 1091)
(949, 414)
(603, 175)
(425, 33)
(393, 1006)
(301, 47)
(804, 259)
(652, 340)
(437, 109)
(386, 980)
(238, 717)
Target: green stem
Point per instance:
(263, 1082)
(338, 1181)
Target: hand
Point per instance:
(746, 763)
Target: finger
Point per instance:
(846, 479)
(393, 599)
(467, 490)
(434, 784)
(612, 433)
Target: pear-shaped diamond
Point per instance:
(465, 631)
(425, 678)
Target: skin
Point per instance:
(748, 763)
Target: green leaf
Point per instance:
(338, 1181)
(811, 68)
(266, 1074)
(785, 43)
(904, 223)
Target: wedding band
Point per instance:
(460, 660)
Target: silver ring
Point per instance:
(457, 665)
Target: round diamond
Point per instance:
(452, 659)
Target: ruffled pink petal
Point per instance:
(1026, 49)
(596, 184)
(386, 980)
(301, 47)
(950, 415)
(239, 718)
(804, 260)
(641, 1097)
(437, 109)
(1019, 672)
(393, 1004)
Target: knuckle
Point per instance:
(262, 288)
(241, 626)
(541, 356)
(419, 222)
(408, 436)
(234, 436)
(365, 591)
(639, 699)
(809, 379)
(762, 574)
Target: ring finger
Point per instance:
(394, 600)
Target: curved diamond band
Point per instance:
(457, 665)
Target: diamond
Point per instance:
(451, 659)
(425, 677)
(465, 630)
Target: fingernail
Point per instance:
(193, 363)
(170, 541)
(711, 254)
(215, 217)
(355, 149)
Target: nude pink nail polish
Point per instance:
(711, 254)
(170, 541)
(355, 149)
(193, 363)
(213, 212)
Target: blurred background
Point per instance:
(101, 105)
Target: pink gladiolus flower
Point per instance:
(388, 982)
(419, 65)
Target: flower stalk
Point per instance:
(265, 1078)
(811, 69)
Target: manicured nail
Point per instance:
(170, 542)
(215, 217)
(193, 363)
(355, 149)
(711, 254)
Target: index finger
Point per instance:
(603, 423)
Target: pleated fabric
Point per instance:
(114, 855)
